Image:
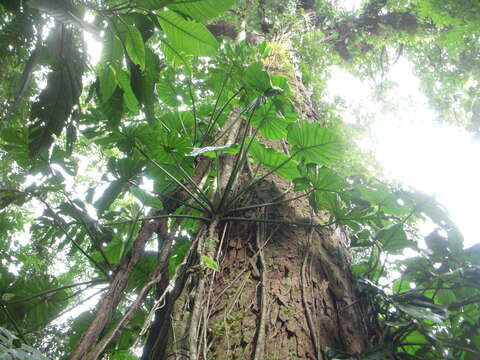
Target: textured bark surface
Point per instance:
(309, 291)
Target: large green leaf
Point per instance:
(174, 56)
(326, 179)
(128, 95)
(146, 198)
(170, 147)
(274, 160)
(257, 78)
(143, 82)
(393, 238)
(108, 82)
(135, 46)
(202, 10)
(167, 91)
(36, 312)
(314, 143)
(187, 36)
(112, 49)
(114, 251)
(272, 125)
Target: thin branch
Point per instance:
(51, 291)
(273, 203)
(217, 100)
(59, 221)
(159, 217)
(221, 111)
(198, 190)
(178, 182)
(246, 188)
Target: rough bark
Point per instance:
(300, 302)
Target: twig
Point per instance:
(51, 291)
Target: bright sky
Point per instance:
(414, 148)
(438, 159)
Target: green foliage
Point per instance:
(12, 348)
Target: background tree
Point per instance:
(196, 182)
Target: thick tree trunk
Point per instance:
(284, 291)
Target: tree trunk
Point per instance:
(283, 291)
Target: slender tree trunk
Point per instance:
(113, 296)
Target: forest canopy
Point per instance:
(199, 186)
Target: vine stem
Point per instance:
(195, 317)
(260, 343)
(113, 333)
(308, 312)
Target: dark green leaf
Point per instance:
(393, 238)
(108, 82)
(257, 78)
(128, 96)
